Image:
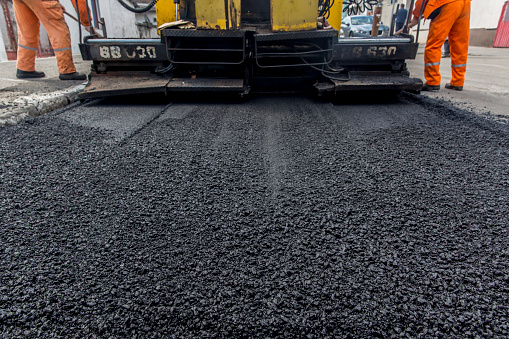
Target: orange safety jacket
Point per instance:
(429, 7)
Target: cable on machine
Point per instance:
(135, 8)
(326, 70)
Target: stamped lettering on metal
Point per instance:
(151, 52)
(141, 52)
(129, 52)
(131, 55)
(104, 51)
(357, 52)
(381, 51)
(115, 52)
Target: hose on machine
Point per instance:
(135, 8)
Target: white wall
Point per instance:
(3, 55)
(486, 13)
(3, 32)
(147, 24)
(4, 35)
(120, 23)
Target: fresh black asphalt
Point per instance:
(274, 217)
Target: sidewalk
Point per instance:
(486, 89)
(20, 98)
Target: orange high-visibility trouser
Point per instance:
(82, 10)
(453, 21)
(49, 12)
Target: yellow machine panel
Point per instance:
(218, 14)
(165, 11)
(336, 13)
(293, 15)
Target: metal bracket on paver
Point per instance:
(38, 104)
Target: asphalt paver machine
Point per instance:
(247, 46)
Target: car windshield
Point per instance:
(362, 20)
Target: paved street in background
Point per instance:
(486, 89)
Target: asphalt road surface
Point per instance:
(274, 217)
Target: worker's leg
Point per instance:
(81, 7)
(438, 31)
(51, 15)
(59, 35)
(28, 36)
(458, 40)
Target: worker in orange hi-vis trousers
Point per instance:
(448, 18)
(29, 14)
(82, 12)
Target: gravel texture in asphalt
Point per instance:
(275, 217)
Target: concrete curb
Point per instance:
(38, 104)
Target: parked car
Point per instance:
(361, 25)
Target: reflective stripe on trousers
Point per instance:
(29, 13)
(453, 22)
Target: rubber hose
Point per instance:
(138, 10)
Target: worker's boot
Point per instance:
(29, 75)
(456, 88)
(73, 76)
(430, 88)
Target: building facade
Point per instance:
(121, 23)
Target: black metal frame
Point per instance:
(283, 60)
(322, 40)
(173, 37)
(374, 50)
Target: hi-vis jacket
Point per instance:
(430, 7)
(449, 18)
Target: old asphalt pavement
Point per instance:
(20, 98)
(486, 90)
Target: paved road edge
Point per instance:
(38, 104)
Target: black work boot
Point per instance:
(456, 88)
(430, 88)
(73, 76)
(29, 75)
